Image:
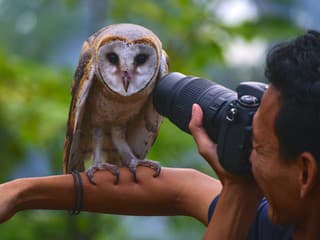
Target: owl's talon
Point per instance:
(90, 177)
(135, 179)
(117, 178)
(133, 169)
(113, 169)
(145, 163)
(157, 171)
(151, 164)
(90, 172)
(105, 166)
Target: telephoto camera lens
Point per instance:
(176, 93)
(227, 115)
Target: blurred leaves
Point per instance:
(266, 27)
(52, 225)
(34, 98)
(39, 42)
(34, 106)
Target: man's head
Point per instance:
(294, 69)
(286, 144)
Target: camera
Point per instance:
(227, 114)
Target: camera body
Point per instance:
(227, 115)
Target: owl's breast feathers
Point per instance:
(104, 107)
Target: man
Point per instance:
(285, 166)
(285, 158)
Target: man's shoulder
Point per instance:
(262, 228)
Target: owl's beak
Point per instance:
(126, 80)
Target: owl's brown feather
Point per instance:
(80, 78)
(142, 133)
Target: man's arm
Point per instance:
(174, 192)
(239, 198)
(234, 213)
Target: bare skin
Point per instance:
(174, 192)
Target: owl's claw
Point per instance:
(133, 169)
(105, 166)
(146, 163)
(90, 173)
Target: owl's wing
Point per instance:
(81, 84)
(142, 133)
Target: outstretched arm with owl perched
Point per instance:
(175, 192)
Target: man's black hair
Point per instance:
(294, 69)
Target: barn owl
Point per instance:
(112, 119)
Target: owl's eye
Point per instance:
(141, 59)
(113, 58)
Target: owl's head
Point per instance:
(127, 68)
(127, 58)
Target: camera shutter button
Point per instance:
(249, 101)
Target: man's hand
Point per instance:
(240, 195)
(208, 149)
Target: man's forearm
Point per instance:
(127, 197)
(174, 192)
(52, 192)
(233, 213)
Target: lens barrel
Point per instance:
(176, 93)
(227, 115)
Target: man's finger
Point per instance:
(205, 145)
(195, 125)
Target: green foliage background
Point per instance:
(35, 78)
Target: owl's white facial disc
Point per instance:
(127, 68)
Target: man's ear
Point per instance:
(308, 173)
